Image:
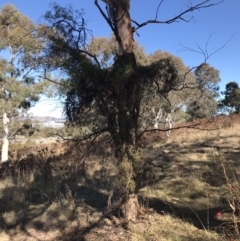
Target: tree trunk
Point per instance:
(127, 184)
(123, 25)
(5, 140)
(157, 118)
(128, 104)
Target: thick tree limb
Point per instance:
(109, 22)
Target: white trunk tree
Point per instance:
(19, 87)
(157, 118)
(5, 141)
(169, 123)
(6, 120)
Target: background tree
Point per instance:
(113, 93)
(156, 108)
(231, 101)
(19, 87)
(204, 104)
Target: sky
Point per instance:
(218, 26)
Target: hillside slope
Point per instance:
(59, 191)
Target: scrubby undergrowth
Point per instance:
(60, 191)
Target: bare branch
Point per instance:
(92, 56)
(205, 52)
(191, 126)
(223, 46)
(158, 9)
(105, 16)
(45, 77)
(108, 20)
(180, 16)
(84, 138)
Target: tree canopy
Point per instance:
(19, 86)
(205, 104)
(231, 100)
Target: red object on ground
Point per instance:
(219, 215)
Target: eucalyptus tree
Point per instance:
(159, 109)
(231, 100)
(115, 92)
(205, 104)
(19, 87)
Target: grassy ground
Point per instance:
(189, 191)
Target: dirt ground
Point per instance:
(59, 191)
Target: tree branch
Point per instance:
(105, 16)
(205, 52)
(45, 77)
(84, 138)
(111, 25)
(180, 16)
(191, 126)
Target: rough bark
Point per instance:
(123, 24)
(130, 208)
(120, 21)
(128, 111)
(126, 99)
(127, 102)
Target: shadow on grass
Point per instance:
(205, 219)
(45, 195)
(196, 217)
(49, 193)
(206, 167)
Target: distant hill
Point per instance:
(43, 119)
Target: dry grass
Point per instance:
(168, 227)
(60, 191)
